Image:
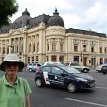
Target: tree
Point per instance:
(7, 9)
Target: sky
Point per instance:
(77, 14)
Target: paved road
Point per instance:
(56, 97)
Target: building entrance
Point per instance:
(53, 58)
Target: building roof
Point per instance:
(86, 32)
(22, 20)
(56, 20)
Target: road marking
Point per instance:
(86, 102)
(102, 87)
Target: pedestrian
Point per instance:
(14, 90)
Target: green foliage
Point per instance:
(7, 9)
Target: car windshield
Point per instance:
(70, 69)
(104, 65)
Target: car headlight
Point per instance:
(81, 79)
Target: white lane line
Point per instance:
(91, 103)
(102, 87)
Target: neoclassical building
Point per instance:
(44, 38)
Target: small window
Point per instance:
(38, 64)
(34, 64)
(57, 70)
(75, 47)
(46, 69)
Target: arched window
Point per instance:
(100, 49)
(33, 47)
(105, 50)
(92, 49)
(29, 48)
(7, 50)
(38, 47)
(17, 48)
(3, 50)
(47, 47)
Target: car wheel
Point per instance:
(99, 71)
(71, 87)
(85, 70)
(38, 82)
(104, 72)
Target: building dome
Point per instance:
(56, 20)
(24, 19)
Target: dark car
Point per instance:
(63, 76)
(104, 69)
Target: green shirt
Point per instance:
(13, 95)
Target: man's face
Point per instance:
(11, 68)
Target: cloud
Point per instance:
(82, 14)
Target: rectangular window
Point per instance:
(47, 47)
(75, 47)
(92, 49)
(84, 48)
(47, 58)
(61, 46)
(53, 46)
(37, 58)
(76, 58)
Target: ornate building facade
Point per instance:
(44, 38)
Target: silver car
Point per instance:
(79, 67)
(32, 67)
(99, 67)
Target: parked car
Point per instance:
(32, 67)
(53, 62)
(104, 69)
(77, 66)
(63, 76)
(98, 68)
